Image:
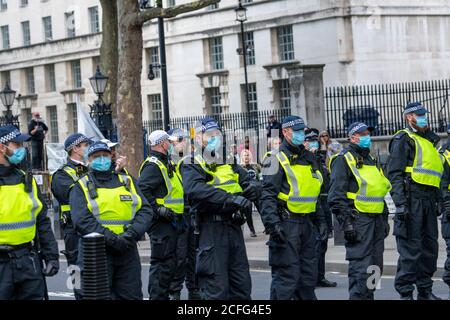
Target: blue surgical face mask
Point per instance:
(170, 150)
(421, 121)
(214, 144)
(298, 137)
(17, 156)
(314, 145)
(365, 142)
(101, 163)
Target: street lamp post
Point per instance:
(100, 111)
(163, 66)
(7, 96)
(241, 17)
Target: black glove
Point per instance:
(239, 217)
(122, 244)
(166, 214)
(402, 213)
(439, 209)
(252, 192)
(387, 227)
(323, 231)
(51, 268)
(350, 233)
(236, 202)
(447, 209)
(277, 234)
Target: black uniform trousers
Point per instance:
(163, 259)
(124, 273)
(294, 263)
(366, 252)
(37, 147)
(417, 245)
(322, 245)
(185, 268)
(222, 265)
(445, 229)
(21, 276)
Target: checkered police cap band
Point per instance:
(356, 129)
(160, 140)
(292, 123)
(76, 142)
(10, 136)
(207, 126)
(413, 108)
(312, 135)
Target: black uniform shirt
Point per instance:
(62, 181)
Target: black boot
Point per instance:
(194, 295)
(407, 296)
(175, 295)
(427, 296)
(326, 283)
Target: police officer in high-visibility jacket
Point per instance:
(218, 191)
(63, 180)
(23, 219)
(185, 269)
(289, 211)
(415, 170)
(112, 204)
(163, 189)
(445, 186)
(356, 197)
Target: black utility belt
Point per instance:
(6, 248)
(215, 217)
(286, 214)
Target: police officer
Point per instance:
(312, 145)
(356, 197)
(62, 181)
(185, 269)
(23, 219)
(291, 187)
(117, 161)
(218, 191)
(111, 204)
(415, 169)
(163, 190)
(445, 184)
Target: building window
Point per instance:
(48, 33)
(250, 48)
(247, 1)
(53, 116)
(154, 59)
(3, 5)
(285, 43)
(170, 3)
(29, 75)
(5, 77)
(26, 33)
(154, 102)
(216, 53)
(72, 110)
(93, 18)
(5, 37)
(70, 24)
(285, 94)
(23, 3)
(76, 73)
(213, 6)
(215, 98)
(50, 78)
(252, 97)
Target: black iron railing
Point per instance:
(381, 106)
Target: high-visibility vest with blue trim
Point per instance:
(304, 186)
(114, 208)
(18, 212)
(224, 177)
(427, 168)
(73, 174)
(446, 155)
(174, 199)
(372, 186)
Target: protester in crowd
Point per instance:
(253, 171)
(37, 130)
(273, 124)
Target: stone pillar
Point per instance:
(307, 94)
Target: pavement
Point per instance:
(257, 251)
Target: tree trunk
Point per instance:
(109, 56)
(129, 102)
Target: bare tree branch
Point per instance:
(171, 12)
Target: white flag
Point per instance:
(86, 125)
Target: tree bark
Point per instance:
(129, 105)
(109, 56)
